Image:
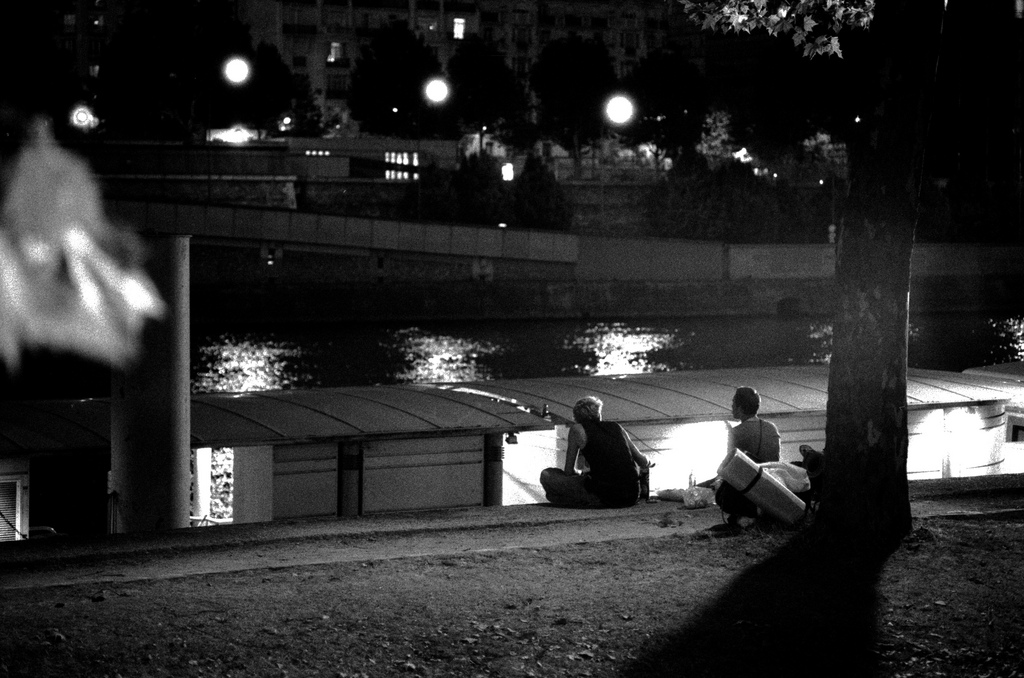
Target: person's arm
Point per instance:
(730, 451)
(638, 457)
(577, 441)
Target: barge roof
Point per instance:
(472, 408)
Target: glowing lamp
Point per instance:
(619, 109)
(436, 90)
(236, 70)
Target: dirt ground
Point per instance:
(949, 602)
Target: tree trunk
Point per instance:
(865, 502)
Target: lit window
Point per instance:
(459, 29)
(336, 53)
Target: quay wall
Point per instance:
(265, 264)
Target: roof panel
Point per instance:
(278, 417)
(355, 407)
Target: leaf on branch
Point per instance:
(809, 24)
(835, 47)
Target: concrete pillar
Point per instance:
(494, 468)
(202, 477)
(150, 406)
(253, 475)
(350, 479)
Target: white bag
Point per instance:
(793, 477)
(692, 498)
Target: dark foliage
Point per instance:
(161, 74)
(485, 92)
(733, 205)
(37, 78)
(483, 197)
(432, 198)
(671, 98)
(387, 94)
(572, 79)
(539, 201)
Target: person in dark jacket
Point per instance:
(616, 465)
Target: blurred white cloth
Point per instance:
(69, 280)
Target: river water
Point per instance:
(265, 358)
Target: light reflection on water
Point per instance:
(456, 352)
(432, 358)
(619, 348)
(247, 363)
(1011, 330)
(325, 356)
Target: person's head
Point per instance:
(745, 403)
(587, 409)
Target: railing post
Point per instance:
(494, 468)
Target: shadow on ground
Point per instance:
(801, 612)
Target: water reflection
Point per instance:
(432, 358)
(359, 355)
(242, 364)
(618, 348)
(1010, 331)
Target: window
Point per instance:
(336, 52)
(69, 21)
(298, 61)
(337, 85)
(458, 28)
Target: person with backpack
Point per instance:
(758, 439)
(616, 465)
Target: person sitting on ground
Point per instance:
(615, 463)
(758, 439)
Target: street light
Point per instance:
(236, 70)
(619, 111)
(436, 92)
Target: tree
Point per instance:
(306, 112)
(272, 90)
(866, 499)
(483, 197)
(485, 92)
(161, 75)
(671, 95)
(387, 85)
(38, 78)
(572, 79)
(538, 199)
